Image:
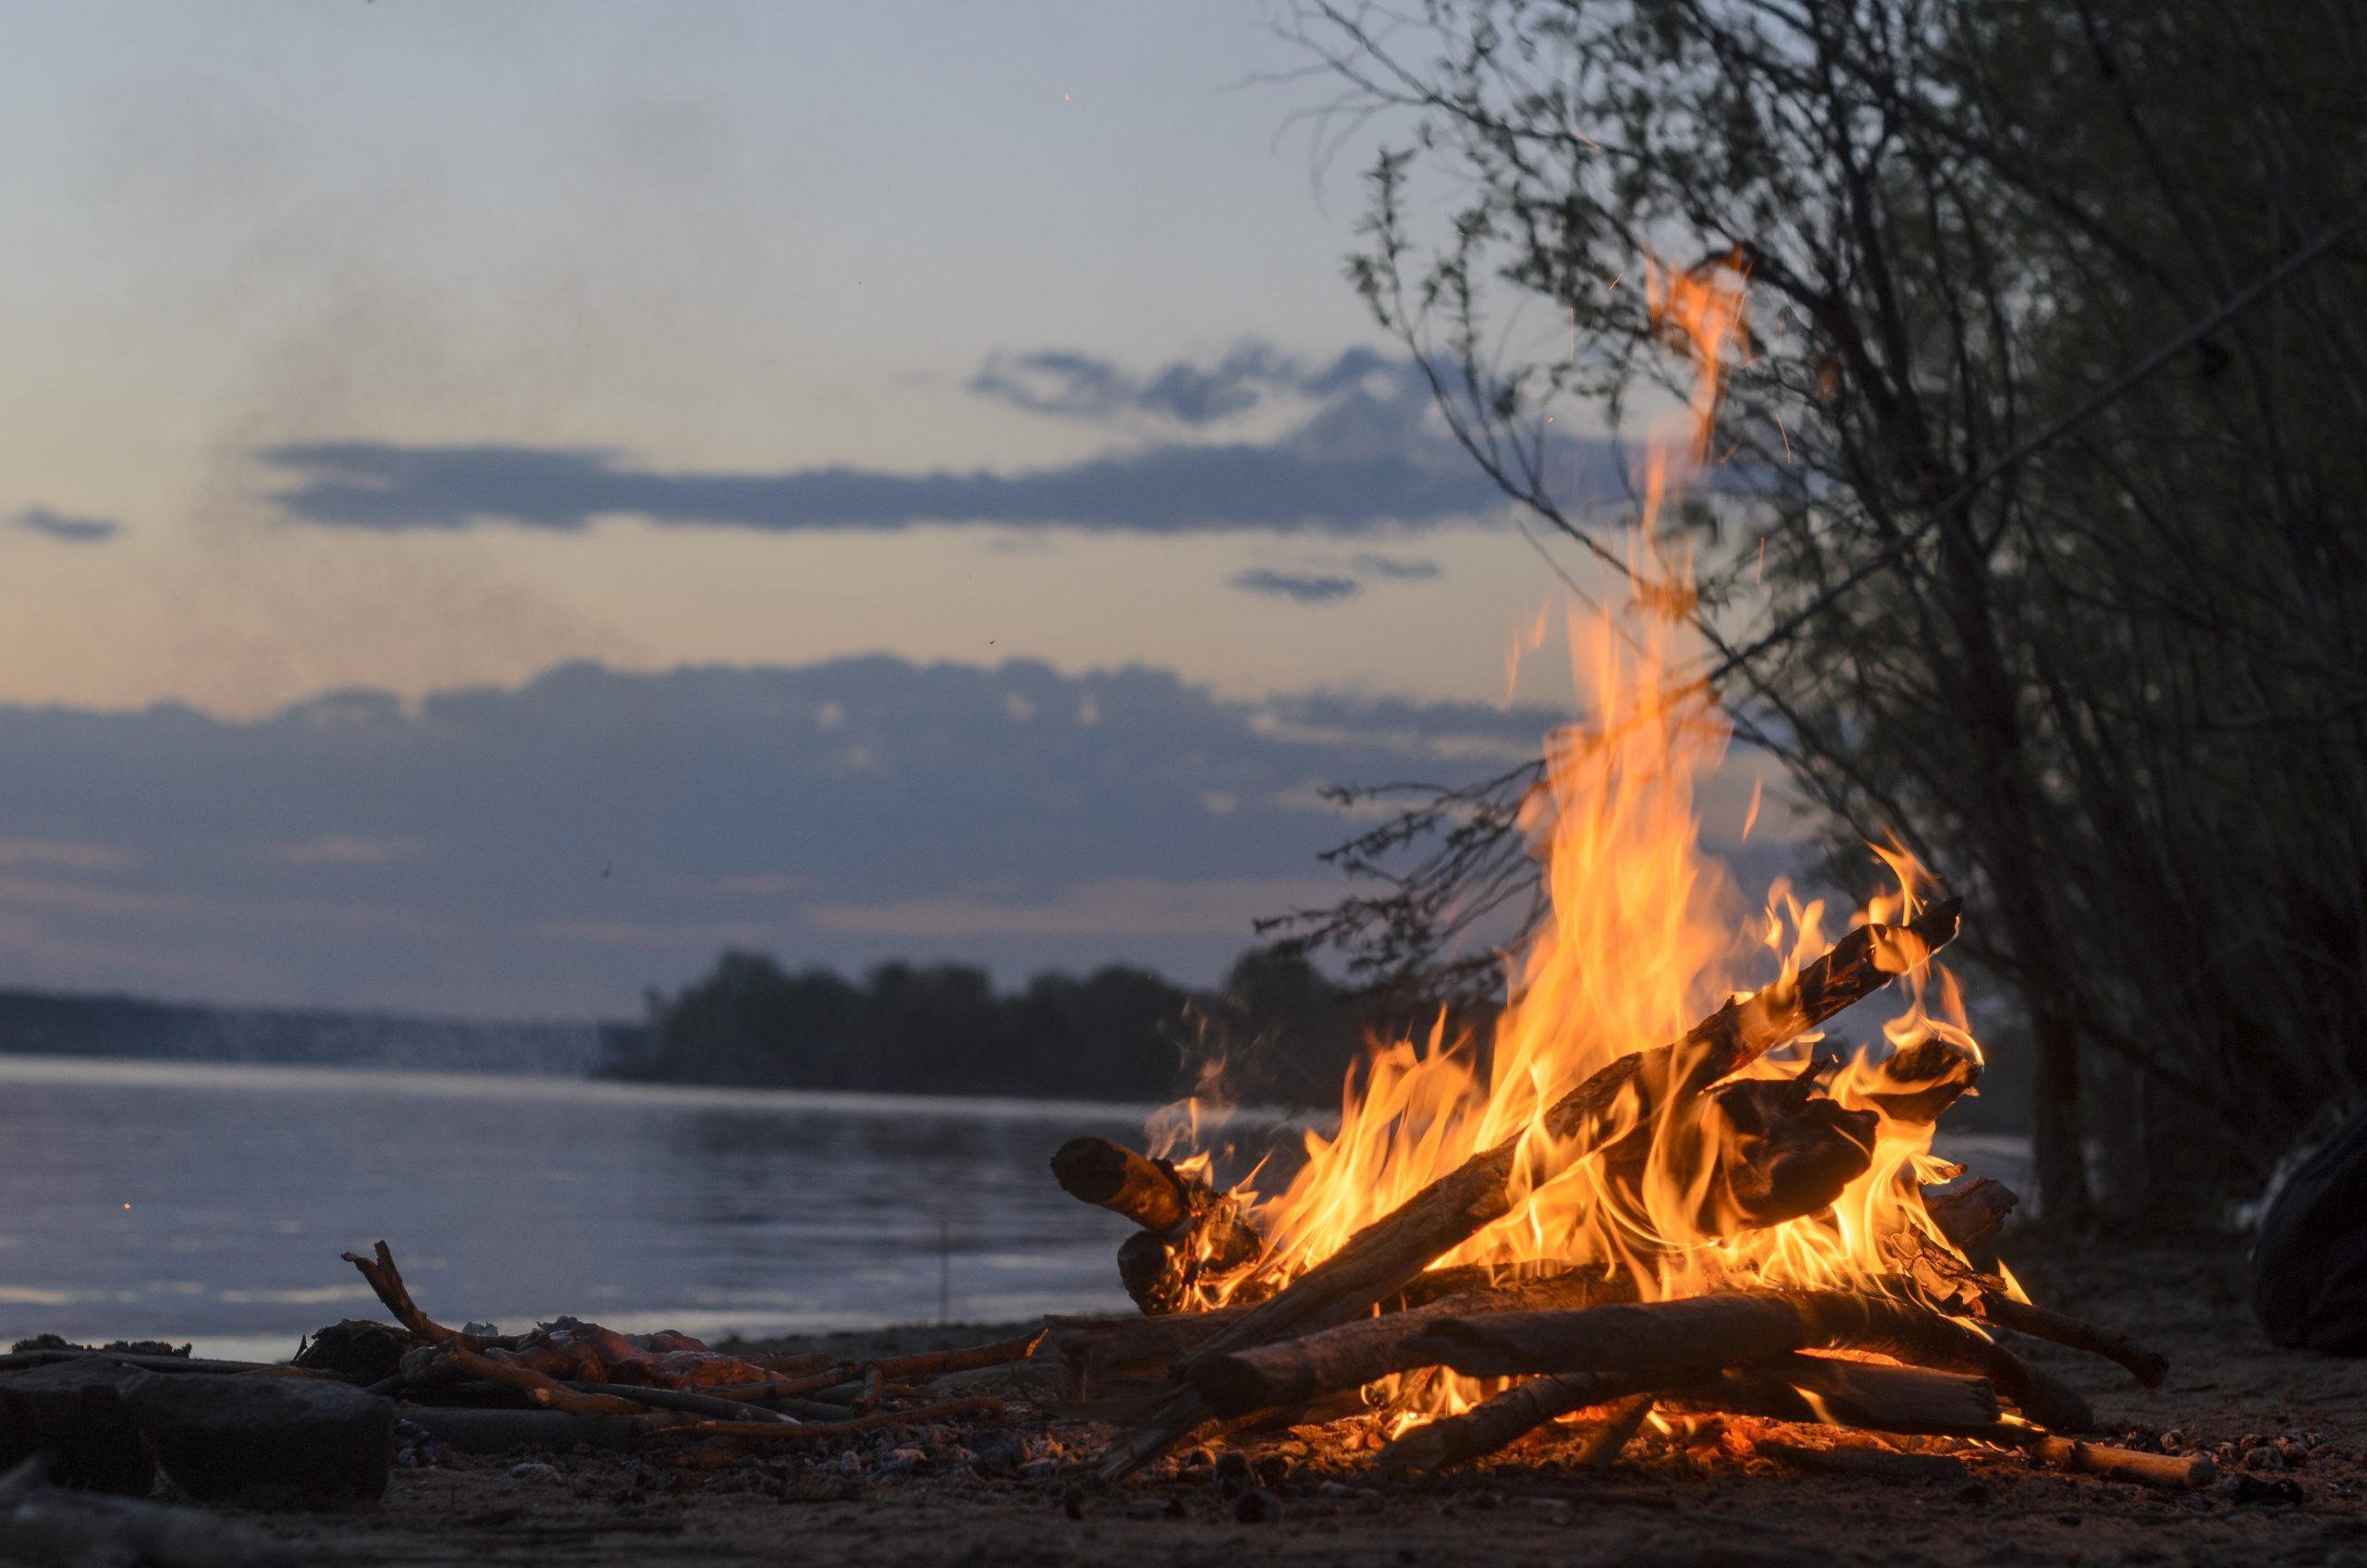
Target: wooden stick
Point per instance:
(2126, 1465)
(937, 1362)
(2148, 1366)
(386, 1282)
(1385, 1254)
(1353, 1355)
(679, 1399)
(453, 1362)
(780, 1429)
(1608, 1441)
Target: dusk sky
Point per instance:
(498, 502)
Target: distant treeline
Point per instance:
(53, 1023)
(1282, 1032)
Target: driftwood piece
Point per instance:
(1666, 1339)
(1353, 1355)
(1385, 1254)
(498, 1431)
(386, 1282)
(978, 1405)
(1190, 1232)
(708, 1405)
(453, 1363)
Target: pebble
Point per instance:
(1233, 1474)
(1258, 1507)
(532, 1470)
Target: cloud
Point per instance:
(552, 849)
(72, 530)
(1297, 588)
(1363, 454)
(1123, 906)
(1399, 568)
(1072, 385)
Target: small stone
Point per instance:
(1272, 1469)
(2263, 1458)
(1233, 1476)
(532, 1470)
(1258, 1506)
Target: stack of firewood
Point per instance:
(1925, 1349)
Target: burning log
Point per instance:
(1665, 1342)
(1622, 1095)
(1791, 1388)
(1352, 1355)
(1783, 1150)
(1971, 1215)
(1189, 1230)
(1486, 1426)
(1920, 1083)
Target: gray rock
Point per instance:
(74, 1411)
(265, 1439)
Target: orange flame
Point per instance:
(1647, 935)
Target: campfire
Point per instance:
(1607, 1206)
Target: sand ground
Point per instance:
(914, 1498)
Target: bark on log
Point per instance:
(1666, 1337)
(1385, 1254)
(1353, 1355)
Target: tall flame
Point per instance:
(1647, 935)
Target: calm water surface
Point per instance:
(208, 1203)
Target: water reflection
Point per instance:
(508, 1201)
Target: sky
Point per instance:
(499, 502)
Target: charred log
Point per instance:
(1970, 1216)
(1355, 1353)
(1189, 1233)
(1664, 1339)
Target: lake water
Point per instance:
(204, 1203)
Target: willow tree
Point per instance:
(2039, 548)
